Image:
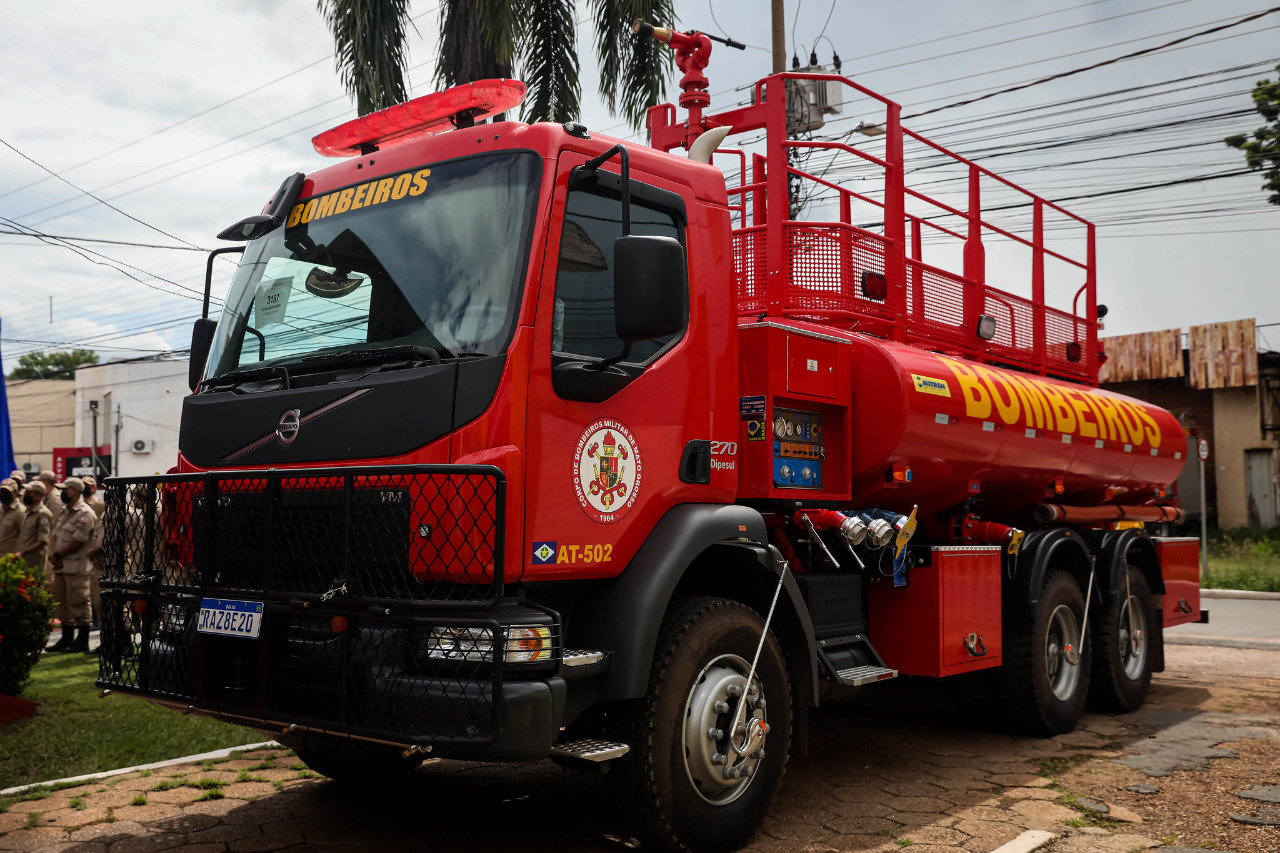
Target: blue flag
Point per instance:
(7, 462)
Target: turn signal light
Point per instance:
(139, 606)
(528, 644)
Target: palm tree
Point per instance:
(535, 40)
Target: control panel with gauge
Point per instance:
(797, 449)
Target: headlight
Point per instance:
(523, 644)
(529, 644)
(472, 644)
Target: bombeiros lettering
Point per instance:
(371, 193)
(1018, 400)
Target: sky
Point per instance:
(170, 122)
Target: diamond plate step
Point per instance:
(589, 749)
(858, 675)
(581, 657)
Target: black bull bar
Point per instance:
(364, 580)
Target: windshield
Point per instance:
(430, 257)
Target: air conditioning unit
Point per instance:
(142, 445)
(31, 469)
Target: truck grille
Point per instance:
(353, 568)
(408, 535)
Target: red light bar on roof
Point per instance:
(428, 115)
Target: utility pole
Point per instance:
(93, 412)
(779, 37)
(115, 448)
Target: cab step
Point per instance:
(581, 657)
(858, 675)
(590, 749)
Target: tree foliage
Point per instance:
(369, 41)
(536, 40)
(1263, 151)
(52, 365)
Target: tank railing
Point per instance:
(742, 180)
(925, 304)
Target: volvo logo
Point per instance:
(287, 430)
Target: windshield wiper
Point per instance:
(237, 376)
(418, 352)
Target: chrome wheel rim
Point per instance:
(1133, 638)
(721, 764)
(1061, 655)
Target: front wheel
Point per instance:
(1122, 648)
(709, 749)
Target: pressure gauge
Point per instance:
(780, 427)
(791, 429)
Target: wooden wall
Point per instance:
(1146, 355)
(1223, 355)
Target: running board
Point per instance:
(581, 657)
(859, 675)
(589, 749)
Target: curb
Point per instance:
(1223, 642)
(169, 762)
(1240, 593)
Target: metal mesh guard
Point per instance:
(408, 535)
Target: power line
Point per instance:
(111, 242)
(94, 197)
(1137, 53)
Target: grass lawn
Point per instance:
(1244, 559)
(75, 732)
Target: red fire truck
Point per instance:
(515, 441)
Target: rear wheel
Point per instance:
(1045, 678)
(695, 780)
(1122, 648)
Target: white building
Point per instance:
(139, 407)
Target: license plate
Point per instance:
(230, 618)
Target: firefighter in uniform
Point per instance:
(37, 527)
(72, 539)
(51, 500)
(11, 514)
(95, 551)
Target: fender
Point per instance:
(1041, 549)
(625, 615)
(1120, 547)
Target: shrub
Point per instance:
(25, 610)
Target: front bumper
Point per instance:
(362, 673)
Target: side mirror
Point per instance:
(650, 287)
(201, 341)
(251, 227)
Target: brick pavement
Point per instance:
(882, 775)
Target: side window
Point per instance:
(583, 323)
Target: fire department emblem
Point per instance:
(606, 470)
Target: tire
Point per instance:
(352, 762)
(1044, 693)
(1122, 656)
(680, 799)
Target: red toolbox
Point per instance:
(946, 620)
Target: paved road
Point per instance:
(897, 766)
(1239, 618)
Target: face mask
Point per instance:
(6, 497)
(66, 497)
(29, 500)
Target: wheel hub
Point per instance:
(1062, 658)
(1133, 638)
(720, 759)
